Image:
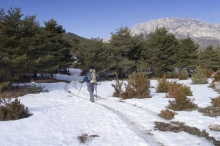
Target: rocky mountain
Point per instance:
(202, 33)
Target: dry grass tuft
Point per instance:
(216, 101)
(167, 114)
(210, 111)
(20, 91)
(84, 138)
(178, 127)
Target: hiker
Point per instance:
(91, 78)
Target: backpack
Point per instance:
(92, 76)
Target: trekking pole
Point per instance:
(80, 88)
(96, 90)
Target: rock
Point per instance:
(214, 127)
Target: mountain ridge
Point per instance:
(201, 32)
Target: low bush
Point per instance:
(180, 93)
(210, 111)
(174, 87)
(129, 92)
(167, 114)
(216, 101)
(216, 76)
(208, 73)
(12, 110)
(138, 86)
(199, 77)
(181, 102)
(17, 91)
(162, 85)
(117, 86)
(176, 127)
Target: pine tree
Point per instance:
(186, 54)
(94, 52)
(159, 51)
(13, 56)
(209, 58)
(52, 50)
(26, 47)
(125, 49)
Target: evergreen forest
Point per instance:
(28, 50)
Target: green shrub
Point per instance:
(199, 77)
(117, 86)
(162, 85)
(167, 114)
(216, 101)
(12, 110)
(138, 86)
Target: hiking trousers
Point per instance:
(90, 88)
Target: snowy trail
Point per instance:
(61, 115)
(135, 127)
(139, 115)
(141, 123)
(134, 122)
(131, 123)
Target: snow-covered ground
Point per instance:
(64, 113)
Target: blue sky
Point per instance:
(98, 18)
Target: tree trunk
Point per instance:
(35, 74)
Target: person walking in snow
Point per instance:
(91, 78)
